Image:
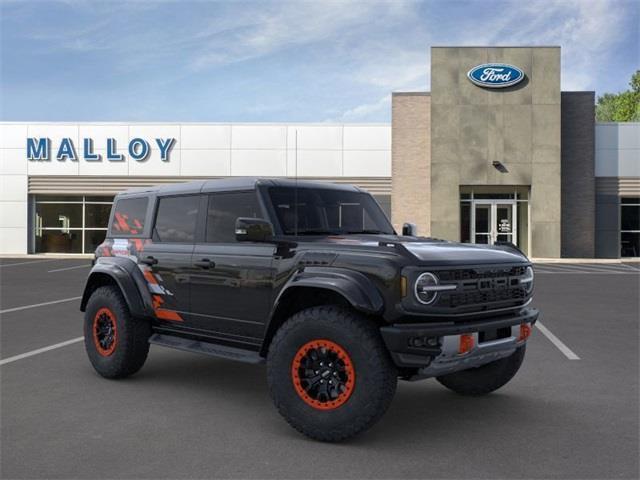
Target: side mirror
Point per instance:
(253, 230)
(409, 230)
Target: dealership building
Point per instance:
(495, 152)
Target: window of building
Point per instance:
(630, 227)
(70, 224)
(176, 219)
(223, 211)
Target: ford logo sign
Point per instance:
(495, 75)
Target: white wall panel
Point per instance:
(52, 167)
(316, 163)
(13, 188)
(629, 135)
(152, 165)
(606, 135)
(151, 132)
(104, 166)
(606, 163)
(212, 163)
(367, 163)
(629, 163)
(99, 135)
(259, 137)
(13, 136)
(13, 240)
(13, 161)
(205, 136)
(315, 137)
(13, 214)
(55, 132)
(259, 163)
(367, 137)
(618, 149)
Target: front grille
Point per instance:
(483, 288)
(474, 298)
(473, 274)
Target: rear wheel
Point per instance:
(329, 373)
(117, 344)
(487, 378)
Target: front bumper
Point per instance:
(433, 349)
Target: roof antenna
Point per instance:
(295, 190)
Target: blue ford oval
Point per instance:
(495, 75)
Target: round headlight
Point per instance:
(527, 280)
(424, 291)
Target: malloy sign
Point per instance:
(40, 149)
(495, 75)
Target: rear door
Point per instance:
(231, 289)
(168, 257)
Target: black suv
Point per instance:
(312, 279)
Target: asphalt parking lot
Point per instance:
(571, 412)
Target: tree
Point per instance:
(621, 107)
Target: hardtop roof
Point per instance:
(233, 184)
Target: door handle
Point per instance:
(205, 263)
(149, 260)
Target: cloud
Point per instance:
(288, 25)
(368, 110)
(283, 60)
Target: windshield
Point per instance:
(326, 211)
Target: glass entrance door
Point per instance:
(482, 223)
(494, 221)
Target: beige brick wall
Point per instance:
(411, 161)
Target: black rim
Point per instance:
(105, 331)
(322, 374)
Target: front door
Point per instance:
(494, 221)
(231, 292)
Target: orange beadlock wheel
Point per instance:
(323, 374)
(105, 332)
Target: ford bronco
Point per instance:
(311, 279)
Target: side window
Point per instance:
(128, 216)
(224, 209)
(176, 219)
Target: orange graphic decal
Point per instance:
(163, 313)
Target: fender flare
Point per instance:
(359, 290)
(126, 274)
(355, 287)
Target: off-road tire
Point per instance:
(487, 378)
(131, 346)
(375, 375)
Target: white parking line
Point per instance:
(557, 342)
(69, 268)
(15, 358)
(36, 305)
(3, 265)
(586, 269)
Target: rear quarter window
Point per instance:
(129, 216)
(176, 219)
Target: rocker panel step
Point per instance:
(212, 349)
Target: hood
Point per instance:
(463, 253)
(432, 251)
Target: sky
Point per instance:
(279, 61)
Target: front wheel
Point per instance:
(329, 373)
(116, 343)
(487, 378)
